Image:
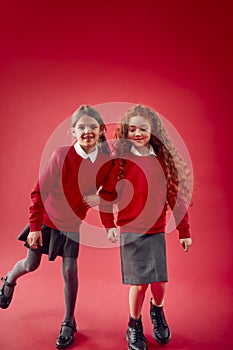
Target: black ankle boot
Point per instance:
(135, 336)
(161, 331)
(6, 300)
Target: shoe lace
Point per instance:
(159, 318)
(137, 333)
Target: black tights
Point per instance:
(69, 272)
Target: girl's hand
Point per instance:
(186, 243)
(92, 200)
(34, 238)
(113, 235)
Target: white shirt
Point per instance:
(92, 155)
(137, 153)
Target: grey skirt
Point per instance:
(143, 258)
(55, 242)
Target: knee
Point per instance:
(158, 285)
(140, 288)
(32, 260)
(69, 272)
(144, 287)
(29, 267)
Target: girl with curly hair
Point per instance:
(149, 175)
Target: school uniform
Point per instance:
(142, 207)
(57, 208)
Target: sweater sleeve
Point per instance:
(181, 216)
(41, 191)
(108, 196)
(179, 211)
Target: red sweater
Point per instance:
(142, 198)
(57, 196)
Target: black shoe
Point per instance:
(65, 342)
(135, 336)
(6, 300)
(161, 331)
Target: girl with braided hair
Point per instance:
(149, 176)
(59, 202)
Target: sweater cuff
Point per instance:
(34, 226)
(109, 225)
(184, 233)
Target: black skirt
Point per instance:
(55, 242)
(143, 258)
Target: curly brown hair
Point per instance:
(178, 175)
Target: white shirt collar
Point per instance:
(137, 153)
(92, 155)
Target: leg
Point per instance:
(134, 334)
(69, 271)
(161, 330)
(29, 264)
(158, 292)
(136, 299)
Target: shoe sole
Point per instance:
(64, 347)
(129, 348)
(158, 340)
(162, 342)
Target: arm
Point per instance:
(181, 217)
(101, 177)
(180, 213)
(108, 196)
(41, 191)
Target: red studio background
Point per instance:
(175, 56)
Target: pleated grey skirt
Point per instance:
(143, 258)
(55, 242)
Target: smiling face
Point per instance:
(87, 132)
(139, 132)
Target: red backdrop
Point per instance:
(175, 56)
